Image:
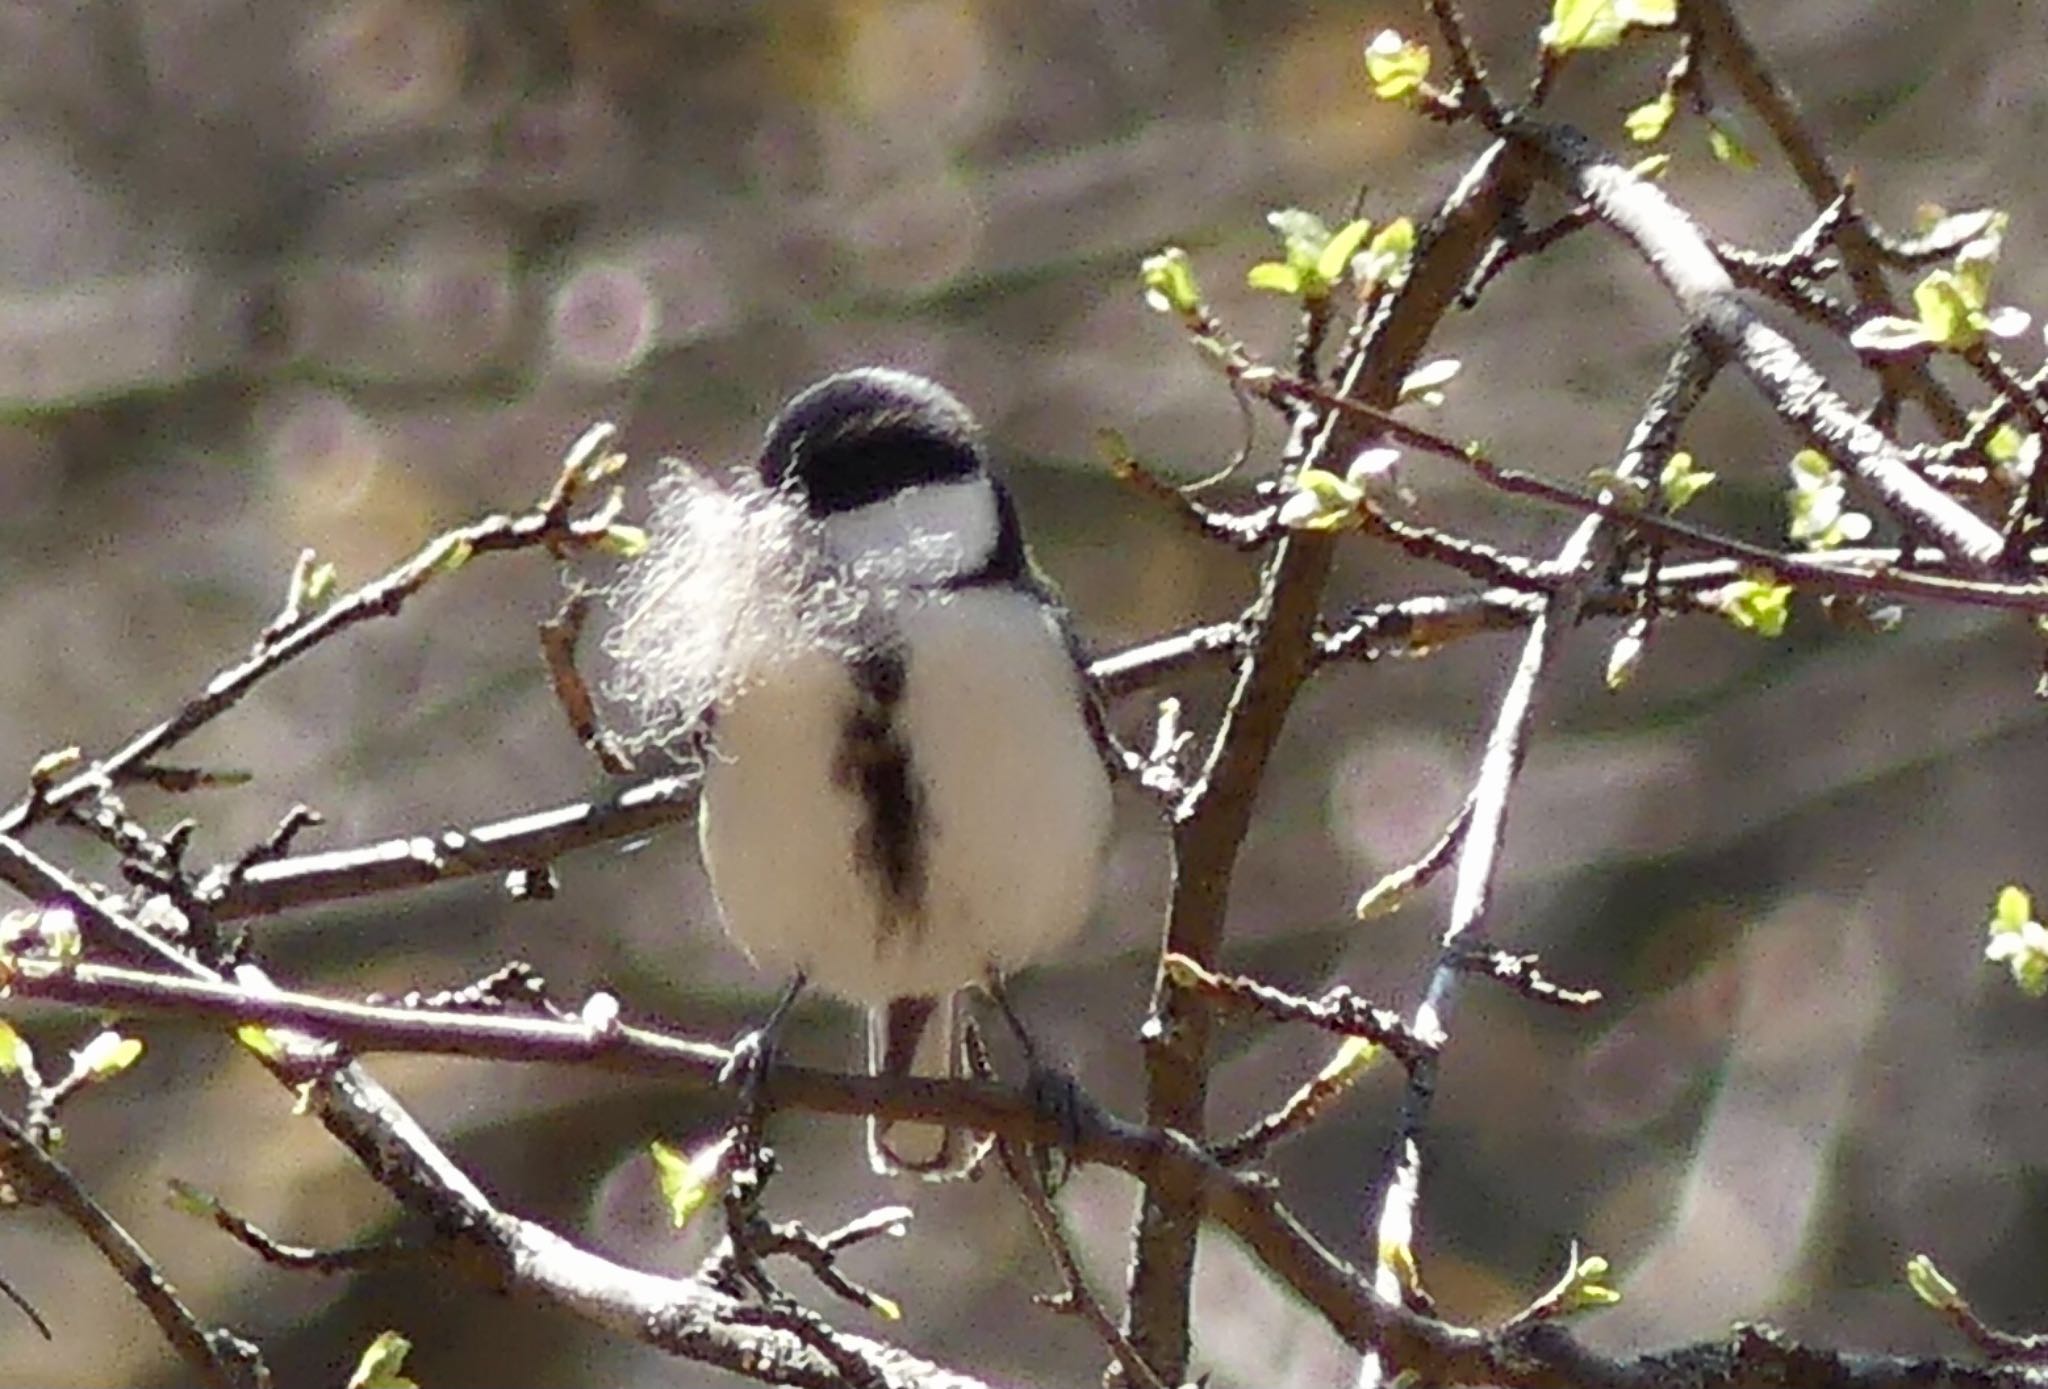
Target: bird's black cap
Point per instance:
(863, 435)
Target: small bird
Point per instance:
(918, 800)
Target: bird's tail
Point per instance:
(916, 1036)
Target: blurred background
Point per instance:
(345, 273)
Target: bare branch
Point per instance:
(1481, 561)
(1684, 383)
(1473, 90)
(1520, 973)
(26, 1308)
(1675, 249)
(1293, 1115)
(1136, 667)
(216, 1354)
(345, 1259)
(421, 860)
(1075, 1297)
(1393, 889)
(550, 526)
(1213, 818)
(1251, 532)
(1339, 1011)
(558, 649)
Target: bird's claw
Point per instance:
(747, 1065)
(1057, 1099)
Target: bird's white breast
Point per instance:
(1014, 806)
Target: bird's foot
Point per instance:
(746, 1069)
(1058, 1101)
(750, 1062)
(1056, 1097)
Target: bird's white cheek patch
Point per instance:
(924, 535)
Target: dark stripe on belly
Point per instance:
(874, 763)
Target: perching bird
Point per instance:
(906, 787)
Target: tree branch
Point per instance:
(1682, 258)
(549, 525)
(421, 860)
(1684, 383)
(217, 1354)
(688, 1318)
(1210, 824)
(1713, 22)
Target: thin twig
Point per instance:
(847, 1359)
(1248, 532)
(1339, 1010)
(1684, 383)
(1393, 889)
(216, 1354)
(272, 847)
(1023, 1166)
(558, 651)
(1520, 973)
(1475, 558)
(1138, 667)
(342, 1259)
(179, 781)
(1159, 769)
(2029, 510)
(1473, 91)
(1075, 1296)
(1309, 1103)
(26, 1308)
(420, 860)
(550, 527)
(1999, 1345)
(515, 981)
(820, 1253)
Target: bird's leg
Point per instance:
(753, 1056)
(916, 1036)
(1000, 992)
(750, 1162)
(1054, 1094)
